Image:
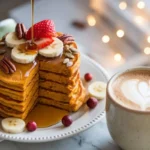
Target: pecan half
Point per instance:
(66, 38)
(7, 66)
(21, 30)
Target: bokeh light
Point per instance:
(117, 57)
(91, 20)
(105, 39)
(147, 50)
(120, 33)
(140, 5)
(122, 5)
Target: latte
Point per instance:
(132, 89)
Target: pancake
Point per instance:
(54, 86)
(45, 75)
(56, 65)
(20, 79)
(70, 106)
(19, 95)
(8, 112)
(19, 106)
(58, 96)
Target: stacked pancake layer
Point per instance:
(61, 86)
(19, 91)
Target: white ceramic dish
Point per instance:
(83, 119)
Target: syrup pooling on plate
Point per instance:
(46, 116)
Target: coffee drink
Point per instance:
(132, 89)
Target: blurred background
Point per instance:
(115, 33)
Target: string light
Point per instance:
(117, 57)
(122, 5)
(140, 5)
(120, 33)
(148, 39)
(139, 19)
(147, 50)
(91, 20)
(105, 39)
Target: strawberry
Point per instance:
(43, 29)
(43, 42)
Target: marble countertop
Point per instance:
(95, 138)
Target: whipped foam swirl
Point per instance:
(137, 91)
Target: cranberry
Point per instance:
(67, 121)
(88, 77)
(92, 102)
(31, 126)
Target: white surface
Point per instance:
(83, 119)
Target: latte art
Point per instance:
(138, 92)
(132, 89)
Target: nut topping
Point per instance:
(66, 60)
(69, 55)
(66, 38)
(74, 50)
(21, 31)
(7, 66)
(69, 64)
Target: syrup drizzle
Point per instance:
(32, 17)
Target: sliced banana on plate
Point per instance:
(13, 125)
(22, 58)
(12, 40)
(52, 50)
(97, 89)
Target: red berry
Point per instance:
(43, 29)
(43, 42)
(31, 126)
(92, 102)
(88, 77)
(67, 121)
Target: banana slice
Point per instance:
(13, 125)
(12, 40)
(22, 58)
(97, 89)
(52, 50)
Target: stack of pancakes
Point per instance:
(48, 81)
(19, 91)
(61, 86)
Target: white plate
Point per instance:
(83, 119)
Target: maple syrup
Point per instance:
(28, 48)
(46, 116)
(32, 17)
(43, 115)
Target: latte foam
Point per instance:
(132, 89)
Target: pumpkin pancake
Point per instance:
(56, 65)
(8, 112)
(19, 106)
(73, 105)
(45, 75)
(54, 86)
(20, 79)
(19, 95)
